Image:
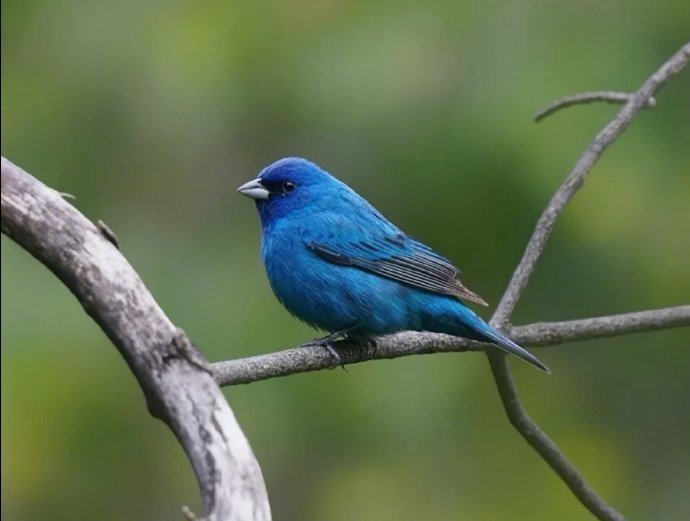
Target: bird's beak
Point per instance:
(254, 189)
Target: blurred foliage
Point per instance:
(152, 113)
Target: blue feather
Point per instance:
(337, 264)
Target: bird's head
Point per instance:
(289, 185)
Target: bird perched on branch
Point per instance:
(339, 265)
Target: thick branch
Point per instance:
(305, 359)
(606, 96)
(499, 365)
(177, 387)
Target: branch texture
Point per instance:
(171, 372)
(542, 334)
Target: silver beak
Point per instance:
(254, 189)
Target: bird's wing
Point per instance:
(390, 253)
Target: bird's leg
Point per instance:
(360, 346)
(330, 339)
(337, 361)
(371, 345)
(328, 342)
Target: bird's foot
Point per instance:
(328, 343)
(338, 336)
(370, 344)
(352, 344)
(335, 356)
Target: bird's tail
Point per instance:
(485, 332)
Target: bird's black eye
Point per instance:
(288, 187)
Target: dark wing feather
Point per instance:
(402, 259)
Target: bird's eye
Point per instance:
(288, 187)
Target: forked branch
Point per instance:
(605, 96)
(499, 366)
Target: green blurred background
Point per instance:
(152, 113)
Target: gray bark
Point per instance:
(173, 375)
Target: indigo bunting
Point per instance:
(339, 265)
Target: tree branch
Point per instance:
(499, 365)
(545, 446)
(171, 372)
(606, 96)
(577, 177)
(542, 334)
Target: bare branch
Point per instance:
(499, 365)
(606, 96)
(543, 334)
(577, 177)
(546, 448)
(177, 388)
(314, 358)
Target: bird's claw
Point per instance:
(328, 343)
(327, 340)
(371, 345)
(335, 357)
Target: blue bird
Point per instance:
(339, 265)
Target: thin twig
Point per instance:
(577, 177)
(499, 365)
(606, 96)
(188, 514)
(542, 334)
(314, 358)
(546, 448)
